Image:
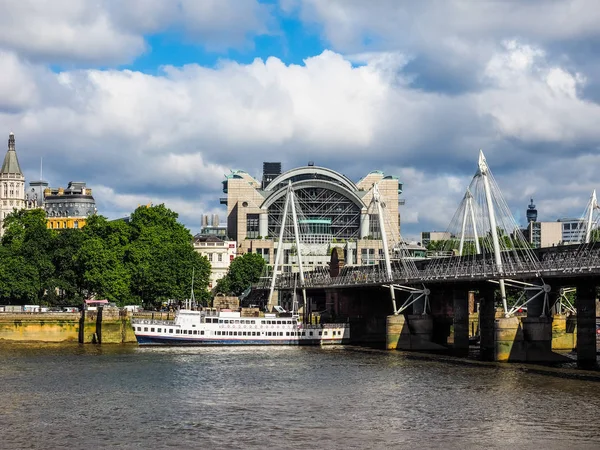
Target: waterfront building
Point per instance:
(544, 234)
(573, 230)
(335, 212)
(212, 227)
(12, 183)
(219, 253)
(70, 207)
(427, 237)
(549, 234)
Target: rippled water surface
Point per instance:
(285, 397)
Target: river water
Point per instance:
(54, 396)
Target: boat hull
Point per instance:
(160, 340)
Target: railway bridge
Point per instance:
(528, 304)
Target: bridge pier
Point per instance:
(410, 332)
(527, 339)
(586, 325)
(487, 322)
(460, 321)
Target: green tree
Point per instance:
(101, 259)
(161, 258)
(243, 271)
(30, 244)
(68, 274)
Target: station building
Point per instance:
(333, 211)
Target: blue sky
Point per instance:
(155, 100)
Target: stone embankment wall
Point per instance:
(112, 327)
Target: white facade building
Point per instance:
(12, 183)
(219, 253)
(573, 230)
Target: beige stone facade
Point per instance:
(340, 212)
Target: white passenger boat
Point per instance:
(211, 327)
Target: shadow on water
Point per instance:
(566, 370)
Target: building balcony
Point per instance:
(223, 200)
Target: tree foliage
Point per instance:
(147, 260)
(242, 272)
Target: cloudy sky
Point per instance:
(155, 100)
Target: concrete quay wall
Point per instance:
(113, 327)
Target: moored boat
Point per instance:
(211, 327)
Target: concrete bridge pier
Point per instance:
(527, 339)
(487, 322)
(410, 332)
(586, 324)
(413, 330)
(460, 321)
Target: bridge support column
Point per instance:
(460, 300)
(564, 336)
(586, 325)
(525, 340)
(487, 318)
(413, 332)
(508, 331)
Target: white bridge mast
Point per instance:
(483, 171)
(289, 202)
(386, 253)
(593, 204)
(468, 209)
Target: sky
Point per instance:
(154, 101)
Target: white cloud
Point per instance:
(532, 100)
(108, 32)
(170, 137)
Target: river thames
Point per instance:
(75, 396)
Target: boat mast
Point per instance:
(192, 297)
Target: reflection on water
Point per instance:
(285, 397)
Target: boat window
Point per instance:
(231, 333)
(320, 333)
(304, 333)
(311, 333)
(287, 333)
(139, 328)
(235, 333)
(145, 328)
(253, 321)
(268, 333)
(201, 331)
(170, 330)
(325, 333)
(237, 321)
(177, 331)
(281, 333)
(279, 322)
(226, 321)
(220, 321)
(159, 330)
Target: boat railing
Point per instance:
(326, 325)
(152, 322)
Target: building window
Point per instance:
(220, 257)
(76, 224)
(252, 226)
(264, 252)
